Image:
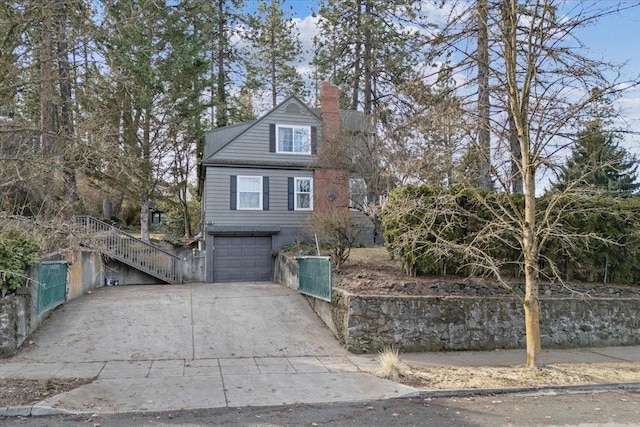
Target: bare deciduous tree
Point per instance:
(547, 80)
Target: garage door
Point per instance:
(242, 259)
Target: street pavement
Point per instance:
(193, 346)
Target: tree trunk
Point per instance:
(517, 102)
(185, 212)
(144, 219)
(368, 71)
(107, 207)
(47, 123)
(484, 132)
(356, 61)
(531, 260)
(517, 184)
(66, 120)
(273, 71)
(221, 92)
(147, 176)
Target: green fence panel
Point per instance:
(52, 285)
(314, 276)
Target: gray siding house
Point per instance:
(259, 183)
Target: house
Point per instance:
(261, 180)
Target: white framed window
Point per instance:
(303, 194)
(357, 193)
(249, 193)
(293, 139)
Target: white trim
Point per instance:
(293, 127)
(260, 192)
(296, 192)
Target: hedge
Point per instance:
(434, 230)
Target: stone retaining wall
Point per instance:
(468, 323)
(18, 319)
(18, 315)
(366, 324)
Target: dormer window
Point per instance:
(293, 139)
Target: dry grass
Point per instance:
(389, 360)
(487, 377)
(377, 256)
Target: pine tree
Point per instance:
(599, 165)
(242, 110)
(157, 65)
(226, 19)
(372, 51)
(39, 91)
(12, 22)
(431, 149)
(369, 48)
(275, 48)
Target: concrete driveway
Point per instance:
(193, 346)
(195, 321)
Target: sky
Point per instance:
(614, 38)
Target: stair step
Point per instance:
(126, 248)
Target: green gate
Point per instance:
(52, 284)
(314, 276)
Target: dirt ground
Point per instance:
(459, 378)
(18, 392)
(371, 271)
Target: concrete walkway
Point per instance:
(626, 354)
(154, 348)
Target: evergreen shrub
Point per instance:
(595, 239)
(18, 253)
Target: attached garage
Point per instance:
(242, 259)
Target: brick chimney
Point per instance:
(330, 179)
(330, 114)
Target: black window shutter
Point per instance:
(290, 193)
(233, 186)
(272, 138)
(265, 193)
(314, 140)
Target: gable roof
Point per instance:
(222, 135)
(219, 138)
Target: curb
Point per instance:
(568, 389)
(43, 410)
(33, 411)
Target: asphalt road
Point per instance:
(611, 408)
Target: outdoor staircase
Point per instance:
(116, 244)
